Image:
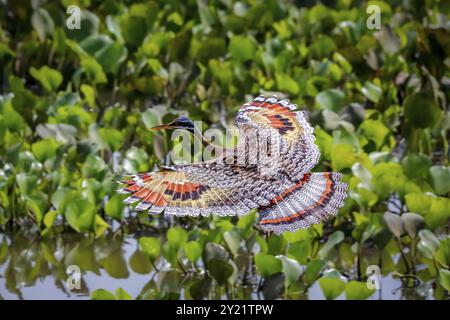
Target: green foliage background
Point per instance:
(76, 105)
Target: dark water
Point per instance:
(35, 268)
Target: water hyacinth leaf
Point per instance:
(273, 287)
(150, 246)
(332, 287)
(62, 132)
(291, 269)
(418, 202)
(334, 239)
(44, 149)
(313, 270)
(177, 237)
(444, 279)
(277, 245)
(122, 295)
(371, 91)
(140, 263)
(443, 252)
(26, 182)
(440, 177)
(439, 212)
(37, 203)
(394, 223)
(428, 243)
(214, 251)
(413, 223)
(50, 218)
(81, 215)
(49, 78)
(114, 207)
(192, 251)
(332, 99)
(416, 165)
(242, 48)
(200, 289)
(233, 241)
(115, 264)
(93, 70)
(102, 294)
(43, 23)
(355, 290)
(220, 270)
(300, 250)
(267, 264)
(421, 111)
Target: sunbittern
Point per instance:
(280, 185)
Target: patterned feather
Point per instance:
(280, 185)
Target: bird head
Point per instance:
(178, 123)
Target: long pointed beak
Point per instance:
(161, 127)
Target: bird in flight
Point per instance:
(269, 169)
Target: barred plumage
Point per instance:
(269, 170)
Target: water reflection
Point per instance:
(35, 268)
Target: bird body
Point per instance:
(269, 170)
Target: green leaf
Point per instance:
(291, 269)
(221, 271)
(355, 290)
(421, 111)
(45, 149)
(81, 215)
(49, 218)
(343, 156)
(114, 207)
(267, 264)
(242, 48)
(42, 22)
(177, 237)
(49, 78)
(428, 243)
(443, 253)
(440, 177)
(89, 94)
(214, 251)
(444, 279)
(93, 70)
(313, 270)
(332, 285)
(26, 182)
(334, 239)
(192, 251)
(233, 241)
(371, 91)
(418, 202)
(413, 223)
(332, 99)
(374, 130)
(151, 246)
(416, 165)
(139, 262)
(300, 250)
(122, 295)
(102, 294)
(394, 223)
(277, 244)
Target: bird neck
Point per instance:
(199, 135)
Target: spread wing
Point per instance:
(201, 189)
(288, 131)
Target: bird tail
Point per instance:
(314, 198)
